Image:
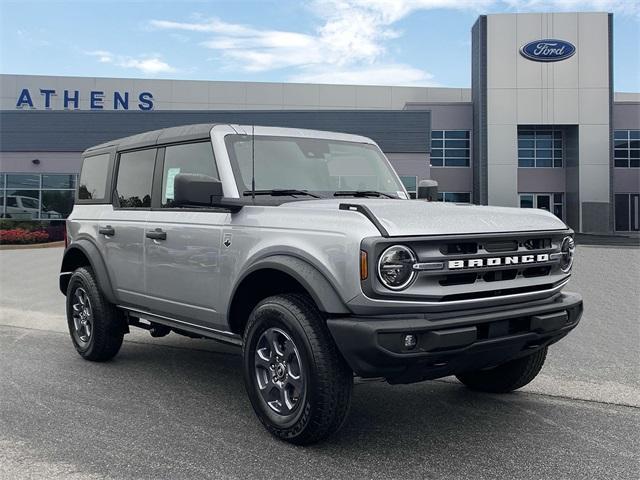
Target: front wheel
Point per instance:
(506, 377)
(298, 383)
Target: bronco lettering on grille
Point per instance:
(497, 261)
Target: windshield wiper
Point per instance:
(280, 192)
(361, 193)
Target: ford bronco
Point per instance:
(303, 248)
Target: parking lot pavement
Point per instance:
(176, 408)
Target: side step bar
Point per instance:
(219, 335)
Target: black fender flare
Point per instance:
(321, 290)
(91, 252)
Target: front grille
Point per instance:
(482, 267)
(458, 279)
(459, 248)
(498, 275)
(536, 272)
(537, 243)
(493, 248)
(504, 246)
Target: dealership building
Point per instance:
(540, 127)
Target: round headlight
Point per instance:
(567, 252)
(395, 267)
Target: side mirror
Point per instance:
(193, 189)
(428, 190)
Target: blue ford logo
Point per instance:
(549, 50)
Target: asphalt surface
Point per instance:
(176, 408)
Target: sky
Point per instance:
(375, 42)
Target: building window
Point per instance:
(36, 196)
(626, 153)
(454, 197)
(551, 202)
(540, 148)
(626, 208)
(450, 148)
(411, 184)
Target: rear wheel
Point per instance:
(506, 377)
(95, 325)
(298, 383)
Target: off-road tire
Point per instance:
(506, 377)
(329, 380)
(108, 324)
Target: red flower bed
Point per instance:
(22, 236)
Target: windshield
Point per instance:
(315, 165)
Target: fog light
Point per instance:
(410, 342)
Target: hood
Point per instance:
(418, 217)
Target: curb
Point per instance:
(607, 240)
(34, 245)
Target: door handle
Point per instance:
(108, 230)
(157, 234)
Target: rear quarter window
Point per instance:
(93, 178)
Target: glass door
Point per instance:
(627, 212)
(551, 202)
(543, 201)
(634, 207)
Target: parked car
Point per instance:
(25, 208)
(303, 248)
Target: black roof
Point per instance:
(163, 135)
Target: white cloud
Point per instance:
(147, 65)
(103, 56)
(151, 64)
(378, 74)
(212, 26)
(350, 43)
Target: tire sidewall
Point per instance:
(266, 315)
(78, 280)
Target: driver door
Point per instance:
(182, 246)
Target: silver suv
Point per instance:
(303, 248)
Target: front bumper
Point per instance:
(463, 341)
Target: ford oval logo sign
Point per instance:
(549, 50)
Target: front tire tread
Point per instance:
(333, 377)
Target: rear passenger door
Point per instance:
(182, 245)
(122, 226)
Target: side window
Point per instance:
(30, 203)
(93, 178)
(185, 158)
(135, 177)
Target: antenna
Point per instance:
(253, 162)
